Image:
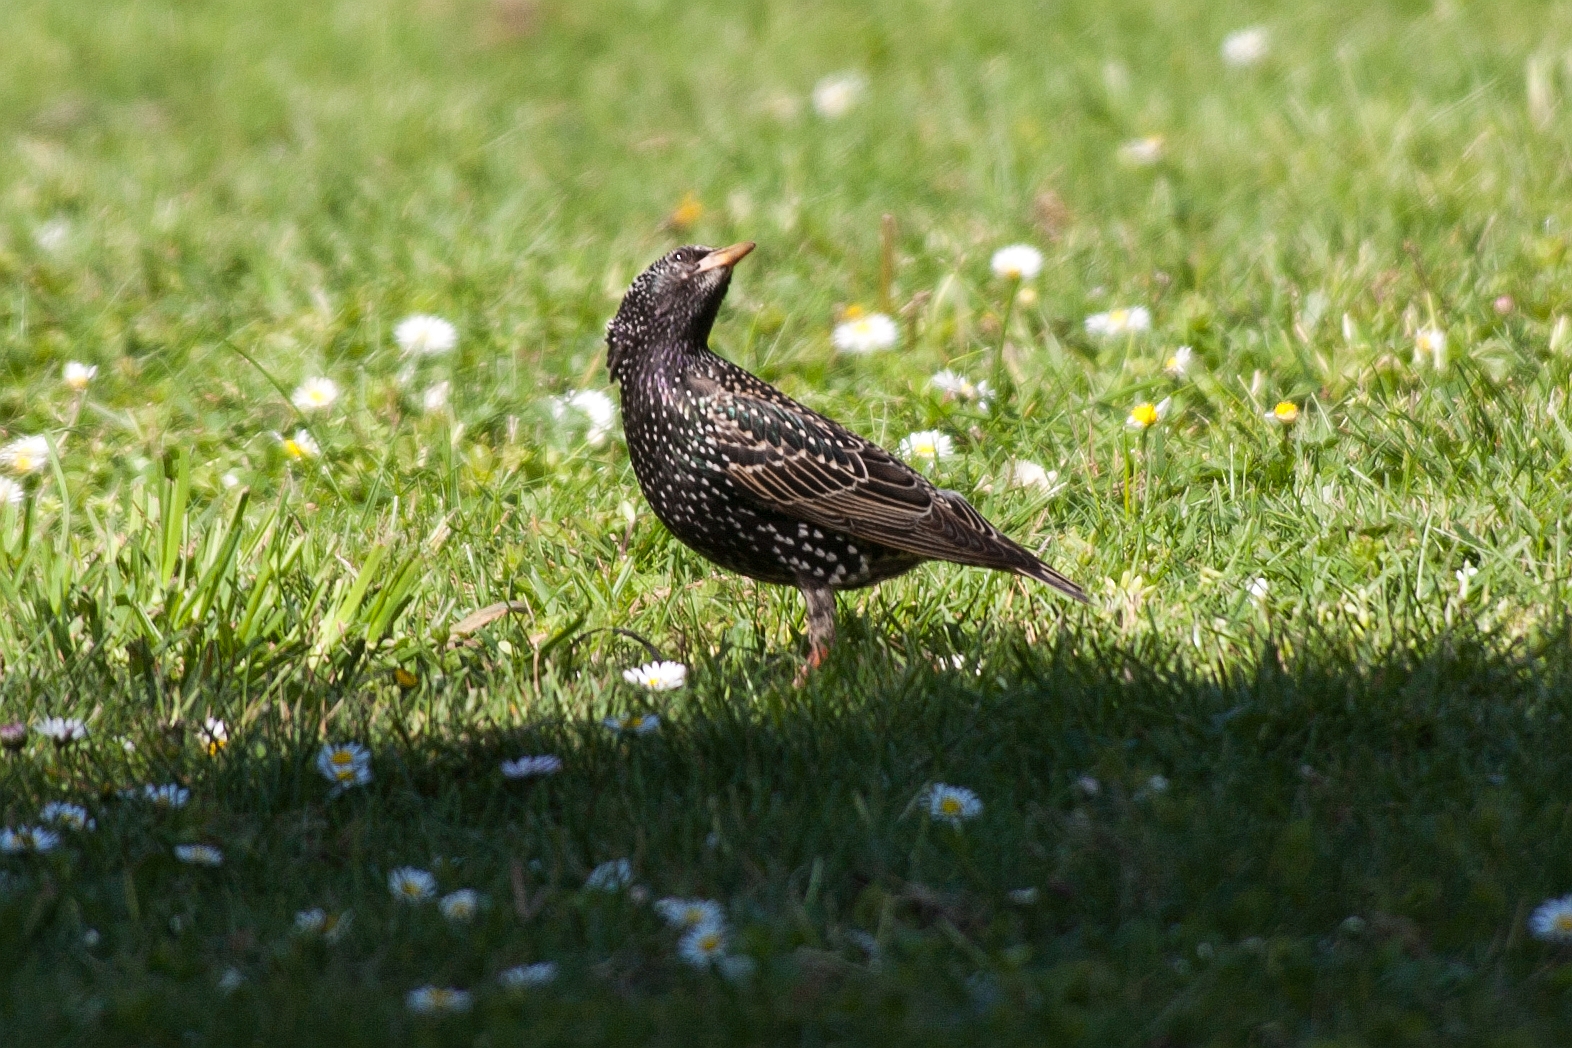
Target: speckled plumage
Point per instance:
(760, 484)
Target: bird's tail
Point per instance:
(1043, 573)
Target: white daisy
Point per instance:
(77, 374)
(835, 95)
(526, 976)
(702, 945)
(1088, 786)
(1259, 588)
(199, 854)
(436, 398)
(434, 1000)
(300, 446)
(1552, 921)
(1021, 473)
(27, 839)
(231, 980)
(1017, 262)
(958, 387)
(531, 767)
(865, 334)
(1286, 413)
(314, 394)
(310, 922)
(1465, 580)
(25, 455)
(461, 906)
(171, 795)
(423, 335)
(1430, 342)
(953, 804)
(1119, 322)
(62, 731)
(612, 876)
(71, 816)
(689, 913)
(214, 735)
(53, 236)
(11, 492)
(1157, 784)
(411, 885)
(1142, 152)
(637, 723)
(592, 405)
(1179, 362)
(345, 764)
(927, 447)
(658, 676)
(1146, 414)
(1246, 47)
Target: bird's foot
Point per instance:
(816, 657)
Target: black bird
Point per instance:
(762, 485)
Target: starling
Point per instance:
(762, 485)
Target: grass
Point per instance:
(1364, 757)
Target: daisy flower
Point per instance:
(865, 334)
(953, 804)
(199, 854)
(835, 95)
(1286, 413)
(345, 764)
(53, 236)
(230, 981)
(1246, 47)
(214, 734)
(1552, 921)
(423, 335)
(1179, 362)
(658, 676)
(689, 913)
(927, 446)
(27, 839)
(526, 976)
(330, 926)
(460, 906)
(77, 374)
(13, 736)
(612, 876)
(1088, 786)
(314, 394)
(1259, 588)
(703, 944)
(956, 386)
(300, 446)
(1142, 152)
(411, 885)
(62, 731)
(172, 795)
(1017, 262)
(436, 398)
(25, 455)
(1145, 415)
(11, 492)
(531, 767)
(637, 723)
(1465, 580)
(1430, 342)
(1020, 473)
(1119, 322)
(71, 816)
(590, 404)
(434, 1000)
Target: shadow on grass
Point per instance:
(1328, 849)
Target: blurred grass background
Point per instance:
(189, 187)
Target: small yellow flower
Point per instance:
(687, 212)
(1142, 416)
(1285, 414)
(300, 446)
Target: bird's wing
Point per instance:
(810, 468)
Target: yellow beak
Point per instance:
(726, 256)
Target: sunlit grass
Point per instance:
(1287, 396)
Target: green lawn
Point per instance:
(1297, 777)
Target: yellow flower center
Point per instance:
(1286, 412)
(342, 757)
(950, 806)
(293, 449)
(853, 312)
(1563, 922)
(710, 943)
(410, 888)
(1118, 318)
(344, 774)
(1144, 415)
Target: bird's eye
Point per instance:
(684, 255)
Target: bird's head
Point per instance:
(674, 301)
